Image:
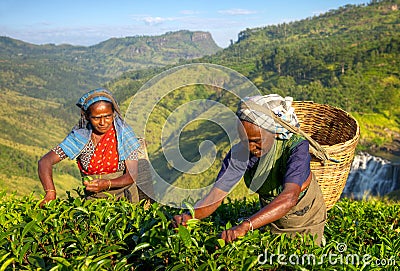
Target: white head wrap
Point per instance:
(282, 107)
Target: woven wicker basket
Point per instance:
(338, 133)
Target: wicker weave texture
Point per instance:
(338, 133)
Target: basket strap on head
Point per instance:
(315, 148)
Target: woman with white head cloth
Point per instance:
(274, 163)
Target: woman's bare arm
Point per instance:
(45, 171)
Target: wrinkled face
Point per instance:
(101, 116)
(258, 140)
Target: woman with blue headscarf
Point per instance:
(104, 146)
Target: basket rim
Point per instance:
(356, 136)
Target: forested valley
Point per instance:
(347, 58)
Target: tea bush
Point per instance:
(74, 234)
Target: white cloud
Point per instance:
(156, 20)
(237, 11)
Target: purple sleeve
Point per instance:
(298, 165)
(233, 168)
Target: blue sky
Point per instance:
(88, 22)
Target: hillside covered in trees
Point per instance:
(347, 57)
(39, 85)
(63, 72)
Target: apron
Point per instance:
(141, 189)
(307, 217)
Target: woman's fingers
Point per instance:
(233, 233)
(94, 185)
(180, 220)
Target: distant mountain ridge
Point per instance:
(197, 43)
(64, 71)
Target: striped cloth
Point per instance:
(282, 107)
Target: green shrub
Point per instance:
(74, 234)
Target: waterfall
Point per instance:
(371, 176)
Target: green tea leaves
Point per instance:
(75, 234)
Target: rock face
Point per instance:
(393, 147)
(182, 44)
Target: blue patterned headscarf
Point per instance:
(76, 140)
(96, 95)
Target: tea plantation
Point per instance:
(74, 234)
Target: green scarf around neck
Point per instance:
(266, 178)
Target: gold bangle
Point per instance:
(109, 184)
(251, 228)
(50, 190)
